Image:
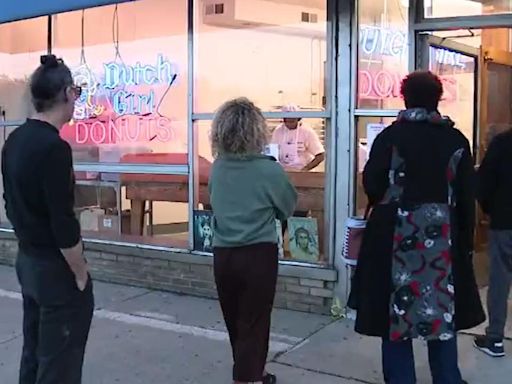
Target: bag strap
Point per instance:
(396, 176)
(451, 174)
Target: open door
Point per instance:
(495, 117)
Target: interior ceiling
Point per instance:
(318, 4)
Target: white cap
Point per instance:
(290, 108)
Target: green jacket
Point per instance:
(247, 195)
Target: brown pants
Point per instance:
(246, 282)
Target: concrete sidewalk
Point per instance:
(141, 337)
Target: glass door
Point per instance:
(495, 117)
(457, 66)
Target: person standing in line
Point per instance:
(248, 192)
(495, 198)
(37, 170)
(300, 148)
(415, 277)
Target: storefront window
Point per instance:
(131, 61)
(367, 130)
(21, 45)
(135, 208)
(308, 221)
(458, 74)
(273, 52)
(455, 8)
(383, 53)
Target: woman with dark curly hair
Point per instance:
(415, 277)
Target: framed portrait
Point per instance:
(203, 231)
(303, 233)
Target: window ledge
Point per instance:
(286, 269)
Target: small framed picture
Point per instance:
(203, 231)
(303, 233)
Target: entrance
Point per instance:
(476, 69)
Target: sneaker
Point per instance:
(489, 347)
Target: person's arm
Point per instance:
(488, 177)
(315, 147)
(465, 192)
(376, 170)
(315, 162)
(57, 178)
(282, 194)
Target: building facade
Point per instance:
(154, 71)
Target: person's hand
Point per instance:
(82, 279)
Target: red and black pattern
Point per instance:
(423, 296)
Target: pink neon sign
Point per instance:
(386, 84)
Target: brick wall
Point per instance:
(298, 288)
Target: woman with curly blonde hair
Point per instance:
(248, 192)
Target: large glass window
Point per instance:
(382, 54)
(129, 134)
(131, 61)
(455, 8)
(21, 44)
(274, 52)
(271, 51)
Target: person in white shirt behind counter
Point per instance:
(300, 148)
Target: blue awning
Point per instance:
(26, 9)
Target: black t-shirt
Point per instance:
(37, 169)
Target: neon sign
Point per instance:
(385, 84)
(138, 74)
(391, 42)
(121, 104)
(124, 130)
(383, 41)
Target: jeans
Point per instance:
(500, 252)
(54, 339)
(398, 362)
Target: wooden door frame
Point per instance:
(487, 55)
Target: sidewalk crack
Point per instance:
(319, 372)
(12, 338)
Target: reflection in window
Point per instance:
(272, 51)
(131, 61)
(383, 54)
(21, 45)
(458, 73)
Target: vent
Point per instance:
(307, 17)
(214, 9)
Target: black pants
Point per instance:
(246, 280)
(56, 317)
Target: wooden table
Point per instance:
(142, 188)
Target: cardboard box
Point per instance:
(108, 224)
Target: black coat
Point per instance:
(495, 182)
(426, 149)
